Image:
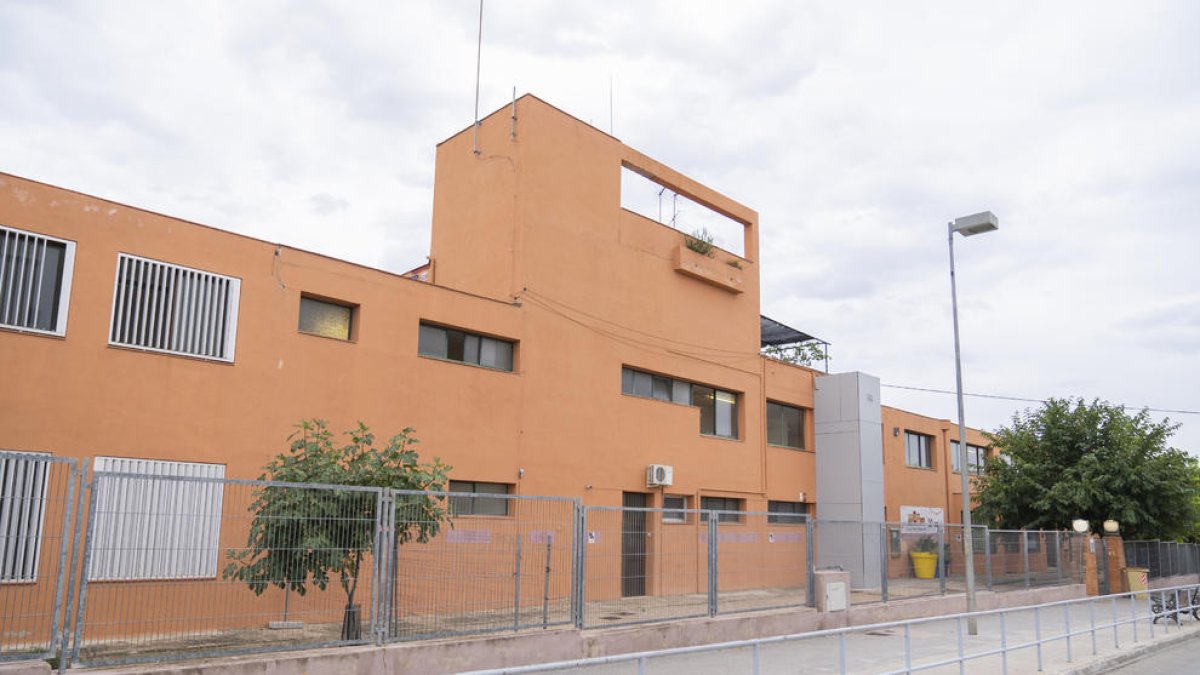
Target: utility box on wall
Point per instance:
(835, 596)
(832, 590)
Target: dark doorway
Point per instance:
(633, 545)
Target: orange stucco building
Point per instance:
(555, 344)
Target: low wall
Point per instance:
(1179, 580)
(455, 655)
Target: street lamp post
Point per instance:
(967, 226)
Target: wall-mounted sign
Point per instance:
(921, 519)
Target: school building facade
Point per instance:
(554, 344)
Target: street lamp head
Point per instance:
(977, 223)
(1080, 525)
(1111, 526)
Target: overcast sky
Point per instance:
(855, 129)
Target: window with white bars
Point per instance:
(35, 281)
(162, 526)
(22, 513)
(173, 309)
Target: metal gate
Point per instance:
(38, 508)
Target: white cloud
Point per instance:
(855, 129)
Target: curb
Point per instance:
(1127, 656)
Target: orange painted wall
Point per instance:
(915, 486)
(529, 243)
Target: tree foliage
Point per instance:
(301, 536)
(1071, 459)
(802, 354)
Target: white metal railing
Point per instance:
(1021, 630)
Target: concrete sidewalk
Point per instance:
(1011, 648)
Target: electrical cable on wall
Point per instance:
(1022, 399)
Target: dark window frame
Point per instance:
(777, 512)
(719, 409)
(468, 506)
(924, 451)
(352, 310)
(781, 442)
(675, 514)
(727, 515)
(976, 452)
(456, 345)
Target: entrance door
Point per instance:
(1101, 565)
(633, 546)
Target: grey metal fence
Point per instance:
(1163, 558)
(36, 524)
(889, 561)
(650, 564)
(500, 562)
(134, 567)
(186, 566)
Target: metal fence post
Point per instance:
(81, 603)
(883, 562)
(578, 555)
(1025, 554)
(941, 549)
(712, 563)
(1058, 556)
(517, 587)
(378, 569)
(987, 555)
(809, 562)
(78, 479)
(66, 527)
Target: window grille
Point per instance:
(22, 514)
(35, 281)
(156, 529)
(177, 310)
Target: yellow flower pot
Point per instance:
(924, 564)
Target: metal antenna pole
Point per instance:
(478, 60)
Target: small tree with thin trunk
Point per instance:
(301, 537)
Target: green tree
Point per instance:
(301, 537)
(802, 354)
(1071, 459)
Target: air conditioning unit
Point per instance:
(659, 475)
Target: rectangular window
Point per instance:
(785, 425)
(325, 318)
(718, 408)
(976, 458)
(149, 528)
(173, 309)
(730, 508)
(787, 513)
(457, 345)
(22, 513)
(35, 281)
(479, 504)
(673, 508)
(918, 450)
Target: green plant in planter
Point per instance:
(700, 241)
(925, 545)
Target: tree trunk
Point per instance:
(352, 623)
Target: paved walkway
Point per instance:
(937, 641)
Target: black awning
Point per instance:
(775, 334)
